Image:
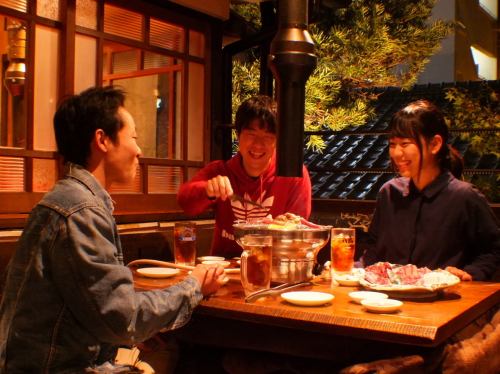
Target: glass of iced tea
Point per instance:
(256, 261)
(185, 243)
(342, 249)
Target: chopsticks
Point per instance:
(167, 264)
(164, 264)
(236, 197)
(276, 290)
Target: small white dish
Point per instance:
(224, 264)
(158, 272)
(358, 296)
(232, 270)
(307, 298)
(349, 280)
(381, 305)
(211, 258)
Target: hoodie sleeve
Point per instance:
(192, 195)
(299, 199)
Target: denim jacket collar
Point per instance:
(85, 177)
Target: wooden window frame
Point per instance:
(135, 207)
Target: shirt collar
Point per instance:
(433, 188)
(87, 179)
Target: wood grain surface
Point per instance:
(426, 322)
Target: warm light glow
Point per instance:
(491, 6)
(487, 65)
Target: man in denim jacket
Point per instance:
(68, 300)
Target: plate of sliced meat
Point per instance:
(407, 279)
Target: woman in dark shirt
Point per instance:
(427, 217)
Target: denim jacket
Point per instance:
(68, 300)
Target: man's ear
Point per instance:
(436, 144)
(101, 140)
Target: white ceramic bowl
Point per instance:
(211, 258)
(358, 296)
(157, 272)
(381, 305)
(224, 264)
(349, 279)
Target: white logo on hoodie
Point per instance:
(244, 211)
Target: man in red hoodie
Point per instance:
(250, 174)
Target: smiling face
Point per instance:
(405, 156)
(421, 166)
(257, 146)
(123, 155)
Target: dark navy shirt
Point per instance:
(448, 223)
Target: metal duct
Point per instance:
(291, 60)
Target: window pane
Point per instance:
(44, 174)
(12, 93)
(196, 44)
(86, 13)
(46, 83)
(192, 172)
(124, 62)
(119, 58)
(48, 9)
(178, 105)
(196, 111)
(164, 179)
(153, 99)
(121, 22)
(133, 187)
(154, 60)
(148, 100)
(19, 5)
(85, 62)
(166, 35)
(11, 174)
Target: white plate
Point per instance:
(433, 281)
(224, 264)
(211, 258)
(158, 272)
(381, 305)
(232, 270)
(358, 296)
(349, 279)
(307, 298)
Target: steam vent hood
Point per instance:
(291, 60)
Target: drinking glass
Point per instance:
(342, 249)
(256, 261)
(185, 243)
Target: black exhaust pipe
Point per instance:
(291, 60)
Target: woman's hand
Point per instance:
(219, 187)
(463, 275)
(210, 278)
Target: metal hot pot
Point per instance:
(294, 249)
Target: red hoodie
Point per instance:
(277, 194)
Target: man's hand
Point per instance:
(210, 278)
(463, 275)
(219, 187)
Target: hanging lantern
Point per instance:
(15, 75)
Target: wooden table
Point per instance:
(343, 327)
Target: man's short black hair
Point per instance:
(260, 107)
(79, 116)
